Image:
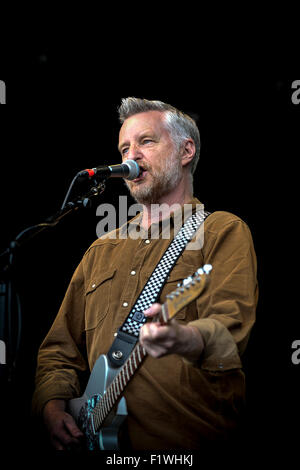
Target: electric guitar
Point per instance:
(101, 410)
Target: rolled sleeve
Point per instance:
(227, 309)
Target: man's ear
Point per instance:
(188, 152)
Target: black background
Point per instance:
(61, 117)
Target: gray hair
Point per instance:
(180, 125)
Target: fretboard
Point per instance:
(117, 386)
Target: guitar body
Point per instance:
(82, 409)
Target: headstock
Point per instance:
(186, 292)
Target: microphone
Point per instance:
(129, 170)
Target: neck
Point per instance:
(153, 213)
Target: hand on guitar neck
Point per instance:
(160, 338)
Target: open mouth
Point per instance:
(141, 176)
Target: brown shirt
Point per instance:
(171, 402)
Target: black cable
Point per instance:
(69, 190)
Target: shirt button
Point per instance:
(133, 273)
(147, 242)
(93, 286)
(125, 304)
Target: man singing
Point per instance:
(190, 388)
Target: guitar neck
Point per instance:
(116, 388)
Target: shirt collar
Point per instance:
(182, 213)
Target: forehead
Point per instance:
(150, 121)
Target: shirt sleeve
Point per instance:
(61, 357)
(227, 308)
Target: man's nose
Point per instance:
(134, 153)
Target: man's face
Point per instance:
(145, 139)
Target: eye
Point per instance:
(124, 150)
(146, 141)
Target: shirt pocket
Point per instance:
(98, 296)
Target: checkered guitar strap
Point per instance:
(128, 333)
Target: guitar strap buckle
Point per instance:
(121, 348)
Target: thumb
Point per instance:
(152, 311)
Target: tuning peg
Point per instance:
(187, 281)
(207, 268)
(170, 296)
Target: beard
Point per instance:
(159, 181)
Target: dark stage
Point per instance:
(59, 120)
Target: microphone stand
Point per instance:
(10, 304)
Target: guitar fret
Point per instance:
(96, 421)
(110, 403)
(107, 407)
(102, 414)
(105, 404)
(117, 385)
(124, 380)
(134, 358)
(139, 353)
(130, 365)
(95, 414)
(114, 390)
(128, 377)
(109, 398)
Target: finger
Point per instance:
(62, 439)
(153, 348)
(156, 331)
(157, 340)
(72, 427)
(57, 444)
(150, 332)
(155, 309)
